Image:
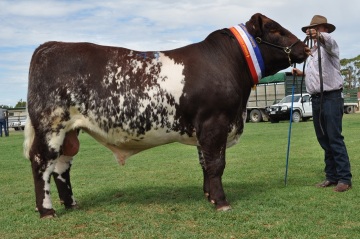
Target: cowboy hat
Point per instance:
(319, 20)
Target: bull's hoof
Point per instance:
(223, 208)
(48, 216)
(72, 207)
(47, 213)
(207, 196)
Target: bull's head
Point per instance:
(279, 47)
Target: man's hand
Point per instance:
(311, 32)
(296, 71)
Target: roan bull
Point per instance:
(130, 101)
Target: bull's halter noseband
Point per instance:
(286, 49)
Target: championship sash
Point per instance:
(251, 51)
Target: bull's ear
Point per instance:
(254, 25)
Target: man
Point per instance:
(328, 106)
(3, 122)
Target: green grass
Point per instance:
(158, 193)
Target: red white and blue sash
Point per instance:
(251, 51)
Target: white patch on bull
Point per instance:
(172, 77)
(108, 79)
(46, 177)
(170, 81)
(117, 74)
(37, 159)
(73, 201)
(55, 140)
(233, 136)
(29, 135)
(62, 165)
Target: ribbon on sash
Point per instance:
(251, 51)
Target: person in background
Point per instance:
(3, 124)
(328, 108)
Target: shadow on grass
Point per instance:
(167, 196)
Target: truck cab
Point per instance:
(302, 109)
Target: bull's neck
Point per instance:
(251, 51)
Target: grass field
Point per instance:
(158, 193)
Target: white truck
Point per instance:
(16, 118)
(302, 109)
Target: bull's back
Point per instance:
(107, 90)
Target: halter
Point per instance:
(286, 49)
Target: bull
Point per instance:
(131, 101)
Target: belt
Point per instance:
(326, 93)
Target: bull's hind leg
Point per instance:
(62, 180)
(61, 173)
(43, 160)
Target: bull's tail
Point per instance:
(29, 135)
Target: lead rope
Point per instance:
(306, 41)
(321, 79)
(290, 126)
(320, 74)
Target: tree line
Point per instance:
(19, 104)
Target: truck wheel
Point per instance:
(296, 117)
(348, 110)
(255, 116)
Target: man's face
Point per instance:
(322, 28)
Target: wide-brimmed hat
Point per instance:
(319, 20)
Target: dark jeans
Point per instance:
(3, 125)
(337, 164)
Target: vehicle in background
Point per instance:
(351, 103)
(302, 109)
(17, 118)
(270, 90)
(18, 125)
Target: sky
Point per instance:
(147, 25)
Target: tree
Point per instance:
(350, 70)
(4, 106)
(20, 104)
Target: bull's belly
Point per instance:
(125, 143)
(152, 138)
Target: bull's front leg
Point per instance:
(206, 182)
(212, 138)
(62, 179)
